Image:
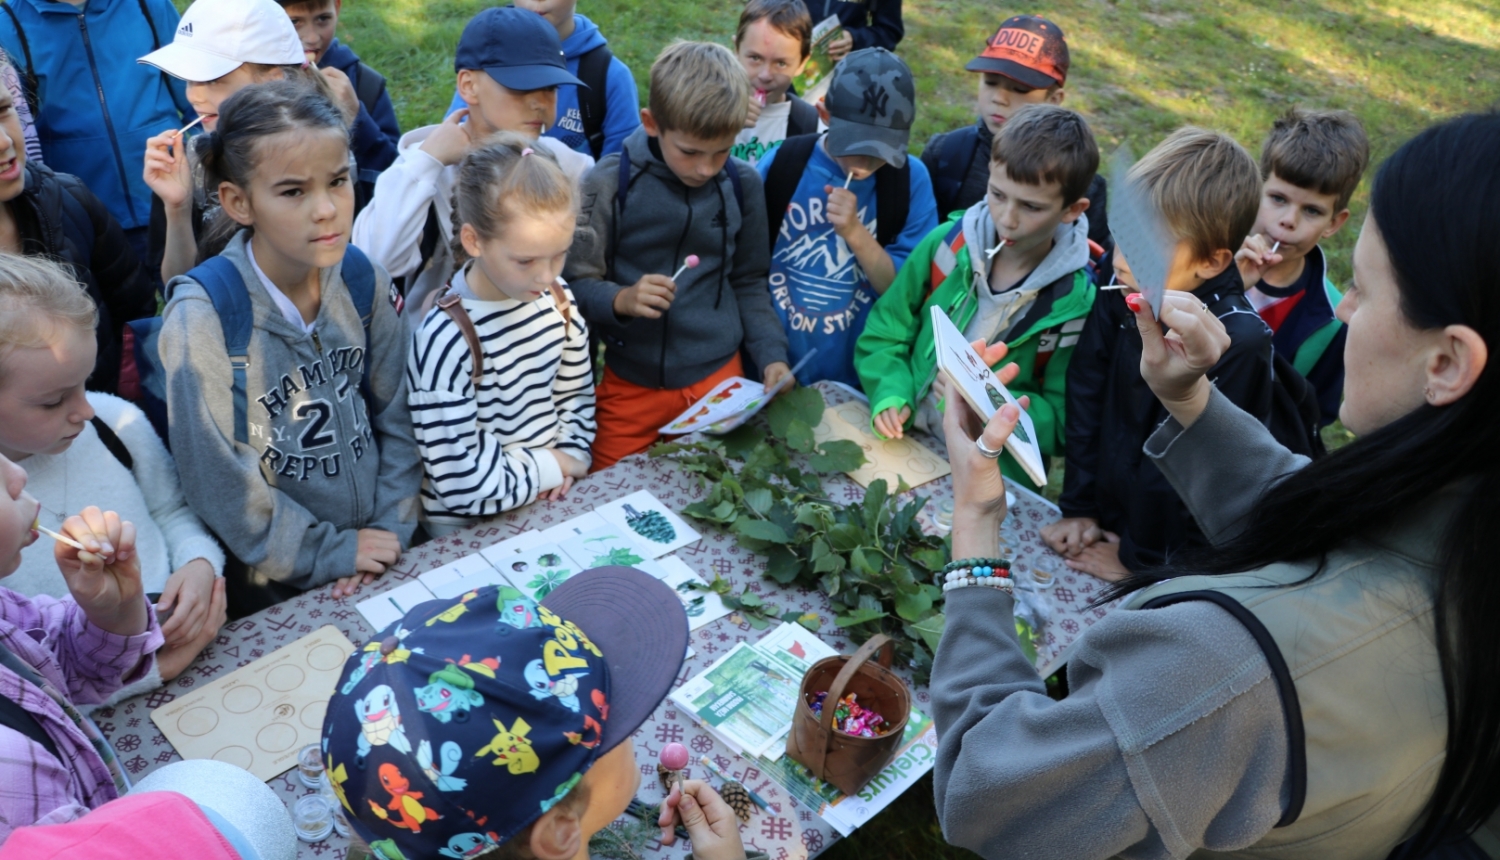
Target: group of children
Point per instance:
(371, 336)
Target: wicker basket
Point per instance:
(848, 761)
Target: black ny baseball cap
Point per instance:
(871, 102)
(517, 47)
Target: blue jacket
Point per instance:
(375, 133)
(622, 103)
(97, 104)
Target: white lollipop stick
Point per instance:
(848, 178)
(59, 538)
(690, 263)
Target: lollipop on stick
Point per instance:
(690, 263)
(37, 524)
(674, 759)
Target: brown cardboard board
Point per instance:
(259, 716)
(892, 459)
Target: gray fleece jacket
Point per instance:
(1172, 737)
(722, 304)
(321, 463)
(998, 312)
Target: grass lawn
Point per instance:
(1140, 69)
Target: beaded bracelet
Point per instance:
(971, 563)
(1001, 583)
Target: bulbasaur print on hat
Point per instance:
(462, 723)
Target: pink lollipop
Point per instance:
(673, 758)
(691, 262)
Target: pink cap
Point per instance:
(692, 261)
(674, 756)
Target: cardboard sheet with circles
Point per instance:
(260, 715)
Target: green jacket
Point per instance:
(895, 358)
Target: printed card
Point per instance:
(496, 553)
(701, 606)
(572, 528)
(386, 609)
(453, 578)
(653, 526)
(973, 379)
(539, 570)
(604, 547)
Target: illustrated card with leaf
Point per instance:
(539, 570)
(702, 606)
(730, 404)
(603, 547)
(569, 529)
(973, 379)
(654, 527)
(496, 553)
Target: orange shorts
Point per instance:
(630, 415)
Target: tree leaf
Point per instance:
(758, 500)
(830, 582)
(829, 563)
(724, 511)
(931, 629)
(819, 549)
(859, 616)
(913, 605)
(860, 561)
(799, 436)
(750, 599)
(756, 621)
(844, 537)
(741, 440)
(837, 455)
(801, 403)
(783, 565)
(760, 530)
(875, 497)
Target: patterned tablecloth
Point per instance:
(787, 830)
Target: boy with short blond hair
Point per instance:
(773, 42)
(1027, 285)
(509, 64)
(1311, 163)
(1026, 62)
(374, 133)
(1119, 513)
(671, 192)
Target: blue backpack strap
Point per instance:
(359, 279)
(226, 289)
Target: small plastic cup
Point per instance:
(340, 823)
(310, 767)
(312, 818)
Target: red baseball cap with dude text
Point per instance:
(1027, 48)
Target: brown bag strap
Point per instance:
(564, 307)
(453, 306)
(878, 642)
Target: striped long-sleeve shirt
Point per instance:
(483, 451)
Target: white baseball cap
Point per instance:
(215, 37)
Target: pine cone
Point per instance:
(738, 799)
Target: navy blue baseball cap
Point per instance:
(465, 721)
(517, 47)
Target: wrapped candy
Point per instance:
(850, 717)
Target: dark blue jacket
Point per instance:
(872, 23)
(97, 104)
(1320, 360)
(375, 133)
(59, 219)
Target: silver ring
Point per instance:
(984, 450)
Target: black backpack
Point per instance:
(955, 158)
(1295, 416)
(593, 70)
(892, 189)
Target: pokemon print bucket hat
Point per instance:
(462, 723)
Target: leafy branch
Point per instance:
(870, 557)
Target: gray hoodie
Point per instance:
(723, 303)
(998, 312)
(321, 463)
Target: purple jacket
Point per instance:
(86, 663)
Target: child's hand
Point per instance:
(774, 373)
(187, 595)
(978, 489)
(166, 170)
(756, 105)
(376, 550)
(1072, 535)
(839, 48)
(650, 297)
(843, 213)
(1101, 560)
(711, 825)
(173, 660)
(451, 139)
(1254, 258)
(1175, 364)
(343, 92)
(105, 576)
(889, 422)
(572, 468)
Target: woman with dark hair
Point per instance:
(1325, 681)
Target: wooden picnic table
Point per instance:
(786, 831)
